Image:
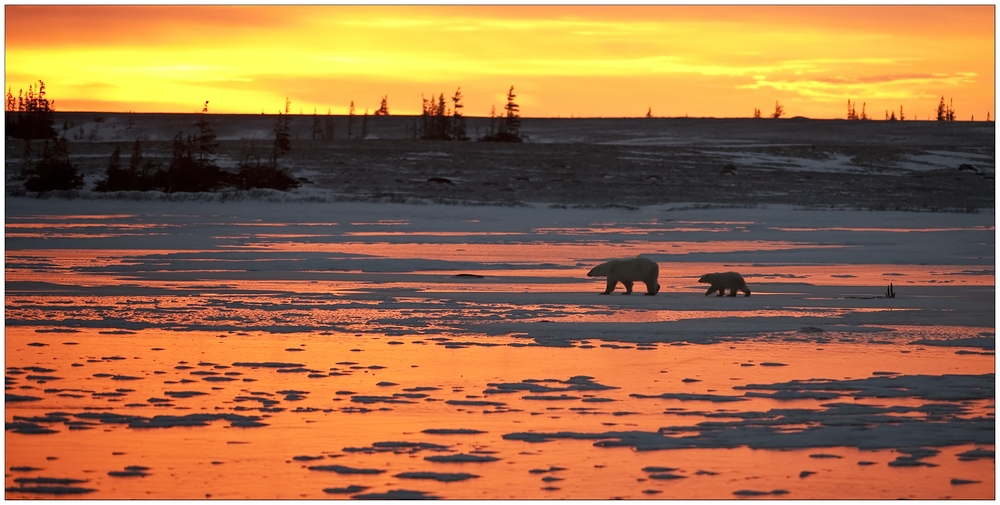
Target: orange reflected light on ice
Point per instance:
(530, 251)
(317, 414)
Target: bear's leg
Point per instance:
(732, 291)
(628, 287)
(746, 290)
(611, 286)
(652, 289)
(711, 290)
(722, 290)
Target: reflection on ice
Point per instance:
(462, 353)
(429, 416)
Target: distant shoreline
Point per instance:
(529, 118)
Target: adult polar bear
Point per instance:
(628, 271)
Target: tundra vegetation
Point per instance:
(188, 156)
(193, 168)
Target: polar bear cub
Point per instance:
(725, 280)
(628, 271)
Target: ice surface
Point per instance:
(531, 329)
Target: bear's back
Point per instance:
(728, 279)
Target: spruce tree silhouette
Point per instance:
(350, 121)
(54, 171)
(364, 125)
(253, 173)
(31, 116)
(141, 175)
(328, 130)
(779, 110)
(317, 129)
(206, 140)
(435, 123)
(457, 119)
(384, 109)
(509, 127)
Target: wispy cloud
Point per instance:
(871, 87)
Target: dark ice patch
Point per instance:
(28, 428)
(166, 421)
(267, 364)
(130, 471)
(980, 342)
(346, 470)
(550, 397)
(396, 494)
(182, 394)
(836, 425)
(666, 476)
(912, 456)
(475, 403)
(398, 447)
(447, 431)
(369, 399)
(345, 490)
(751, 492)
(461, 458)
(546, 470)
(948, 387)
(11, 398)
(438, 476)
(48, 480)
(54, 490)
(654, 469)
(958, 482)
(692, 397)
(975, 454)
(575, 383)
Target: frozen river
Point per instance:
(165, 350)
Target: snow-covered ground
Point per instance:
(880, 165)
(234, 348)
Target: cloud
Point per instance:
(894, 86)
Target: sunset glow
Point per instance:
(720, 61)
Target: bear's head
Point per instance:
(601, 270)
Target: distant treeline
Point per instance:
(192, 167)
(439, 122)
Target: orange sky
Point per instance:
(607, 61)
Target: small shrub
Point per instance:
(255, 174)
(54, 171)
(139, 176)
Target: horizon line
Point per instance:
(798, 117)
